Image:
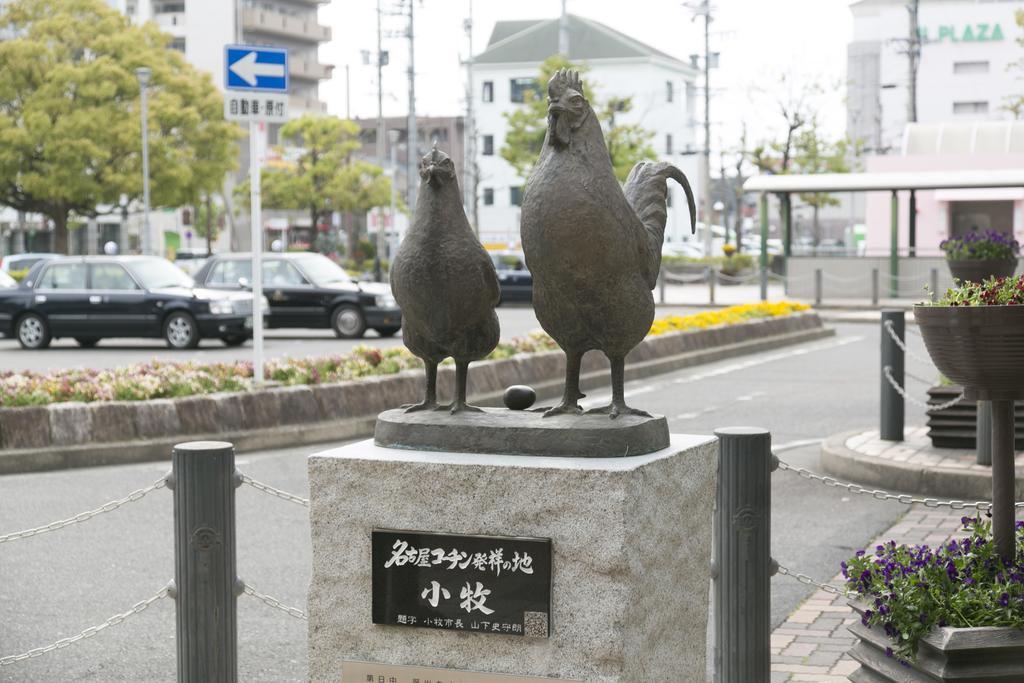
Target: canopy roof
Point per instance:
(868, 182)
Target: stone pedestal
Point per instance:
(631, 540)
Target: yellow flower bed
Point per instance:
(726, 316)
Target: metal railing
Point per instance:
(202, 480)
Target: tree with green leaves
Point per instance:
(814, 153)
(325, 177)
(70, 129)
(627, 143)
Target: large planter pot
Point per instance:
(977, 270)
(979, 347)
(957, 426)
(965, 655)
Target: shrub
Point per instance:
(18, 275)
(977, 246)
(1003, 291)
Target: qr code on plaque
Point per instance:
(535, 624)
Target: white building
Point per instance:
(964, 73)
(664, 101)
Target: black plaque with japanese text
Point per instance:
(487, 584)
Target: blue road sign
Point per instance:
(251, 67)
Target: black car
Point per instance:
(515, 280)
(309, 290)
(92, 297)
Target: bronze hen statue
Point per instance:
(593, 245)
(445, 283)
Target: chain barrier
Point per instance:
(278, 493)
(903, 347)
(838, 278)
(879, 494)
(132, 497)
(89, 632)
(744, 278)
(275, 603)
(680, 280)
(887, 371)
(918, 379)
(804, 579)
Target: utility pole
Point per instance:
(377, 269)
(412, 149)
(706, 175)
(913, 56)
(348, 94)
(563, 32)
(469, 174)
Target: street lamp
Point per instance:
(143, 74)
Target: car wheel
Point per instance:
(181, 331)
(33, 332)
(234, 340)
(87, 342)
(387, 331)
(348, 322)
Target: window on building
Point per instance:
(970, 107)
(488, 91)
(515, 195)
(178, 43)
(368, 136)
(488, 196)
(668, 143)
(519, 86)
(488, 145)
(980, 67)
(670, 93)
(439, 134)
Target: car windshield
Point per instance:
(156, 273)
(322, 270)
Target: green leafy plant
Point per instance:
(19, 275)
(1003, 291)
(981, 246)
(913, 589)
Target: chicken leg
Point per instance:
(430, 400)
(572, 394)
(461, 379)
(618, 405)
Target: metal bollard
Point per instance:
(742, 559)
(661, 285)
(934, 283)
(891, 428)
(983, 435)
(711, 276)
(874, 286)
(818, 286)
(204, 481)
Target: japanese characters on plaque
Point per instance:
(486, 584)
(244, 107)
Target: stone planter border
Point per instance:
(64, 435)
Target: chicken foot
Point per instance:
(430, 400)
(618, 405)
(572, 392)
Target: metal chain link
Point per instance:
(879, 494)
(677, 279)
(918, 379)
(803, 578)
(136, 495)
(839, 278)
(887, 371)
(266, 488)
(275, 603)
(903, 346)
(89, 632)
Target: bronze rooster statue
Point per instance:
(593, 245)
(445, 283)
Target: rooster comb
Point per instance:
(562, 80)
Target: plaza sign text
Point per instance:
(970, 33)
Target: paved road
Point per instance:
(65, 353)
(57, 584)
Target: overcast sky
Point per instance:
(761, 42)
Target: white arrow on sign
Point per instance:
(248, 69)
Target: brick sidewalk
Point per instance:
(811, 644)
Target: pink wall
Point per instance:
(932, 215)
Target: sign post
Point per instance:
(256, 92)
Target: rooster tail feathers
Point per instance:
(646, 190)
